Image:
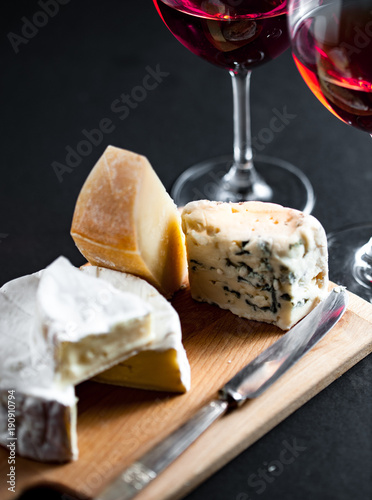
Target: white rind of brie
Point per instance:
(167, 332)
(58, 327)
(89, 324)
(45, 414)
(49, 322)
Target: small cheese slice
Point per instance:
(163, 365)
(89, 324)
(44, 413)
(259, 260)
(125, 220)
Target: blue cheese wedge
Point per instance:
(163, 364)
(89, 324)
(259, 260)
(43, 413)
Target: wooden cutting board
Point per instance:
(117, 425)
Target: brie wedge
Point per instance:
(163, 365)
(35, 410)
(89, 324)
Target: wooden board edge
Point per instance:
(163, 488)
(358, 308)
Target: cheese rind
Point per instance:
(163, 364)
(45, 424)
(125, 220)
(89, 324)
(45, 413)
(152, 369)
(260, 260)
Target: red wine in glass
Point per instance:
(333, 53)
(236, 35)
(332, 48)
(246, 35)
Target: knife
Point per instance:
(249, 383)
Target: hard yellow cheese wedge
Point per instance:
(157, 370)
(163, 364)
(125, 220)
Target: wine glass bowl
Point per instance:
(332, 48)
(236, 35)
(230, 9)
(234, 38)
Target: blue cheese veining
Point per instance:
(260, 260)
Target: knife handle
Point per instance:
(138, 475)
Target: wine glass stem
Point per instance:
(242, 181)
(243, 156)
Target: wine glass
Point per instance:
(332, 49)
(237, 35)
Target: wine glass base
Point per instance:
(277, 181)
(349, 264)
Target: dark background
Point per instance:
(65, 79)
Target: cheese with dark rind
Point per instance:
(259, 260)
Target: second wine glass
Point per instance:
(332, 49)
(237, 35)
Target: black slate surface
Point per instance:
(66, 78)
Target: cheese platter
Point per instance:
(101, 363)
(116, 425)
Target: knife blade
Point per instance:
(248, 383)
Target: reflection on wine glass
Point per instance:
(236, 35)
(332, 48)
